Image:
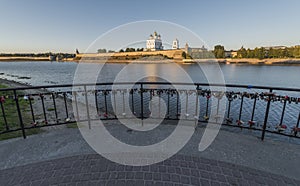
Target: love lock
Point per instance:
(251, 123)
(239, 122)
(281, 128)
(67, 119)
(295, 130)
(229, 120)
(2, 99)
(34, 124)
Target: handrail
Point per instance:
(156, 83)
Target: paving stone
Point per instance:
(148, 176)
(156, 176)
(214, 183)
(175, 178)
(166, 177)
(195, 181)
(185, 179)
(204, 182)
(80, 170)
(162, 169)
(129, 175)
(171, 170)
(139, 175)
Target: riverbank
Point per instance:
(28, 120)
(276, 61)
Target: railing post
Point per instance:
(66, 105)
(44, 109)
(241, 108)
(96, 102)
(87, 107)
(282, 114)
(142, 102)
(4, 116)
(254, 106)
(197, 107)
(115, 104)
(55, 109)
(177, 105)
(19, 114)
(105, 103)
(229, 107)
(76, 106)
(132, 101)
(168, 108)
(297, 126)
(266, 116)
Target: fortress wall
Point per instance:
(176, 54)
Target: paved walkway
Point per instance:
(178, 170)
(234, 158)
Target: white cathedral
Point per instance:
(154, 43)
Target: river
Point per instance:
(49, 73)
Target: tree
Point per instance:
(130, 50)
(102, 50)
(242, 53)
(271, 53)
(183, 54)
(250, 53)
(121, 50)
(219, 51)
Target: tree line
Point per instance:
(63, 55)
(263, 53)
(260, 53)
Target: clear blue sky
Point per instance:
(63, 25)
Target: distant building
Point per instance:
(175, 44)
(154, 42)
(231, 54)
(190, 50)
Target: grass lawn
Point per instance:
(12, 116)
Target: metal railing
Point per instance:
(247, 106)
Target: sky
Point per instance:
(64, 25)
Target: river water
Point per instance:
(53, 73)
(49, 73)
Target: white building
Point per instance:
(154, 42)
(175, 44)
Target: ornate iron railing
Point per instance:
(266, 109)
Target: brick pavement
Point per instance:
(93, 169)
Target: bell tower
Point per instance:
(175, 44)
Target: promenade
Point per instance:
(62, 157)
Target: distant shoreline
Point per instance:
(273, 61)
